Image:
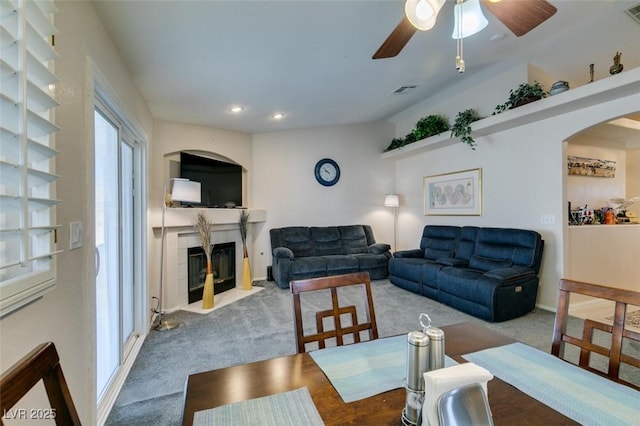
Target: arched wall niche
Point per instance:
(171, 167)
(174, 160)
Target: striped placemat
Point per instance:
(361, 370)
(578, 394)
(287, 408)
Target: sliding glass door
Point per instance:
(115, 239)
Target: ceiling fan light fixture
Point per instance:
(422, 13)
(469, 19)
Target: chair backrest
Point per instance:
(614, 326)
(42, 363)
(336, 312)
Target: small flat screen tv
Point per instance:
(220, 182)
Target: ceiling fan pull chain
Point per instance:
(459, 49)
(459, 59)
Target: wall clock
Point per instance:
(327, 172)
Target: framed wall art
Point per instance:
(450, 194)
(581, 166)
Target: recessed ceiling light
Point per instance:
(236, 108)
(278, 116)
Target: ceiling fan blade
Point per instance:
(396, 41)
(521, 16)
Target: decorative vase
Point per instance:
(559, 87)
(207, 293)
(246, 274)
(617, 67)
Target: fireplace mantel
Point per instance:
(183, 217)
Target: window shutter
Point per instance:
(27, 154)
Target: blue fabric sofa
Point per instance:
(301, 252)
(490, 273)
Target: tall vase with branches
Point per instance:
(203, 226)
(243, 225)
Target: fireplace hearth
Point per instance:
(224, 269)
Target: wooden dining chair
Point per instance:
(42, 363)
(341, 326)
(614, 353)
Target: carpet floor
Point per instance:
(260, 326)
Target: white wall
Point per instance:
(66, 316)
(283, 182)
(523, 179)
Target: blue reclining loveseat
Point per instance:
(301, 252)
(490, 273)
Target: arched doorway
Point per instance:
(596, 252)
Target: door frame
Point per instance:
(101, 95)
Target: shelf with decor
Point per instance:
(611, 88)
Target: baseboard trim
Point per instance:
(546, 308)
(109, 398)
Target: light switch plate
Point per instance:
(547, 219)
(75, 235)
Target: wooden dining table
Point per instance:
(215, 388)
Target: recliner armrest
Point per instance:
(379, 248)
(283, 253)
(409, 253)
(452, 261)
(510, 274)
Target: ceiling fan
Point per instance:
(520, 16)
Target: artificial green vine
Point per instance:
(462, 126)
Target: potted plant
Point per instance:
(395, 143)
(427, 126)
(400, 142)
(462, 126)
(410, 138)
(523, 94)
(430, 125)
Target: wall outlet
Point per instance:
(547, 219)
(75, 235)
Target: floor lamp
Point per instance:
(185, 191)
(393, 200)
